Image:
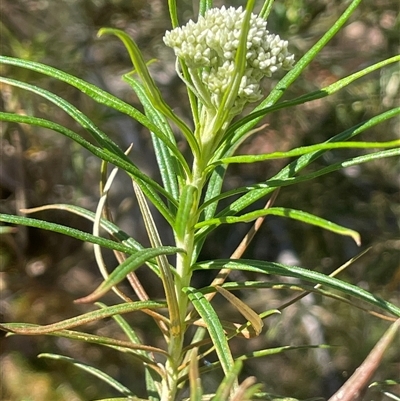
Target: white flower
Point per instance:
(209, 48)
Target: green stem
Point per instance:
(182, 279)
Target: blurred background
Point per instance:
(41, 273)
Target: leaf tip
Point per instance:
(101, 32)
(357, 238)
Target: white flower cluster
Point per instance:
(209, 47)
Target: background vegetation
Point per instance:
(42, 273)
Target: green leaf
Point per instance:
(186, 211)
(175, 23)
(151, 385)
(71, 232)
(126, 328)
(169, 169)
(276, 285)
(286, 175)
(89, 317)
(266, 9)
(281, 87)
(263, 353)
(97, 94)
(149, 85)
(204, 5)
(102, 209)
(119, 345)
(148, 185)
(308, 149)
(278, 350)
(284, 212)
(71, 110)
(92, 370)
(333, 167)
(100, 136)
(253, 193)
(130, 399)
(105, 224)
(262, 267)
(129, 265)
(173, 13)
(383, 383)
(165, 136)
(299, 287)
(214, 327)
(275, 182)
(151, 378)
(137, 61)
(214, 187)
(319, 94)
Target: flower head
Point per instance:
(209, 46)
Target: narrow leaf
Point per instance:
(106, 155)
(71, 110)
(86, 123)
(214, 187)
(308, 149)
(89, 317)
(204, 5)
(151, 378)
(286, 175)
(262, 267)
(129, 265)
(279, 350)
(133, 399)
(149, 84)
(300, 287)
(263, 353)
(185, 210)
(214, 327)
(324, 92)
(92, 370)
(152, 385)
(119, 345)
(292, 75)
(93, 91)
(165, 136)
(126, 328)
(284, 212)
(105, 224)
(173, 12)
(71, 232)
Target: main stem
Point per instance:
(184, 274)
